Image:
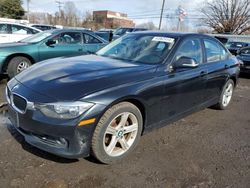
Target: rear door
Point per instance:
(19, 32)
(91, 44)
(66, 44)
(4, 33)
(184, 87)
(217, 62)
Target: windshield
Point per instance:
(139, 48)
(37, 37)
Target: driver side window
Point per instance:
(68, 38)
(190, 48)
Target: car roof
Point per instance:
(41, 25)
(13, 23)
(68, 30)
(170, 34)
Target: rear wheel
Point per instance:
(226, 95)
(117, 133)
(17, 64)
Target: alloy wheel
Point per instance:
(227, 94)
(22, 66)
(120, 134)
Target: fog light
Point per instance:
(61, 141)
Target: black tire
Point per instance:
(98, 149)
(13, 64)
(220, 105)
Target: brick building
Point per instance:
(110, 19)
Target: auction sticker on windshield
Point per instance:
(163, 39)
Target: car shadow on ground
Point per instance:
(245, 75)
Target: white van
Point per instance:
(13, 32)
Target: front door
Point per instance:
(184, 87)
(66, 44)
(91, 44)
(4, 33)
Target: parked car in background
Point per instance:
(13, 32)
(233, 47)
(42, 27)
(106, 34)
(244, 55)
(15, 57)
(106, 30)
(101, 104)
(123, 30)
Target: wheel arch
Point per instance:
(6, 62)
(135, 101)
(233, 77)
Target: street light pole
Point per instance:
(162, 8)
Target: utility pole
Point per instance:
(59, 4)
(28, 10)
(162, 9)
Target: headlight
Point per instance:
(64, 110)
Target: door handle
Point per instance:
(203, 73)
(226, 66)
(80, 50)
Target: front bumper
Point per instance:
(60, 137)
(2, 60)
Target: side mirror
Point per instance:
(186, 62)
(50, 42)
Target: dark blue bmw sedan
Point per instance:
(103, 103)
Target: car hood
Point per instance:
(13, 44)
(67, 79)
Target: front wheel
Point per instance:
(226, 95)
(17, 64)
(117, 132)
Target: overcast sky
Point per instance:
(135, 9)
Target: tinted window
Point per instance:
(214, 51)
(88, 39)
(17, 29)
(190, 48)
(68, 38)
(3, 29)
(224, 53)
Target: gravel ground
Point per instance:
(207, 149)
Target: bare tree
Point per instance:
(147, 25)
(227, 16)
(70, 14)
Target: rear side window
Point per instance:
(88, 39)
(190, 48)
(17, 29)
(214, 51)
(3, 29)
